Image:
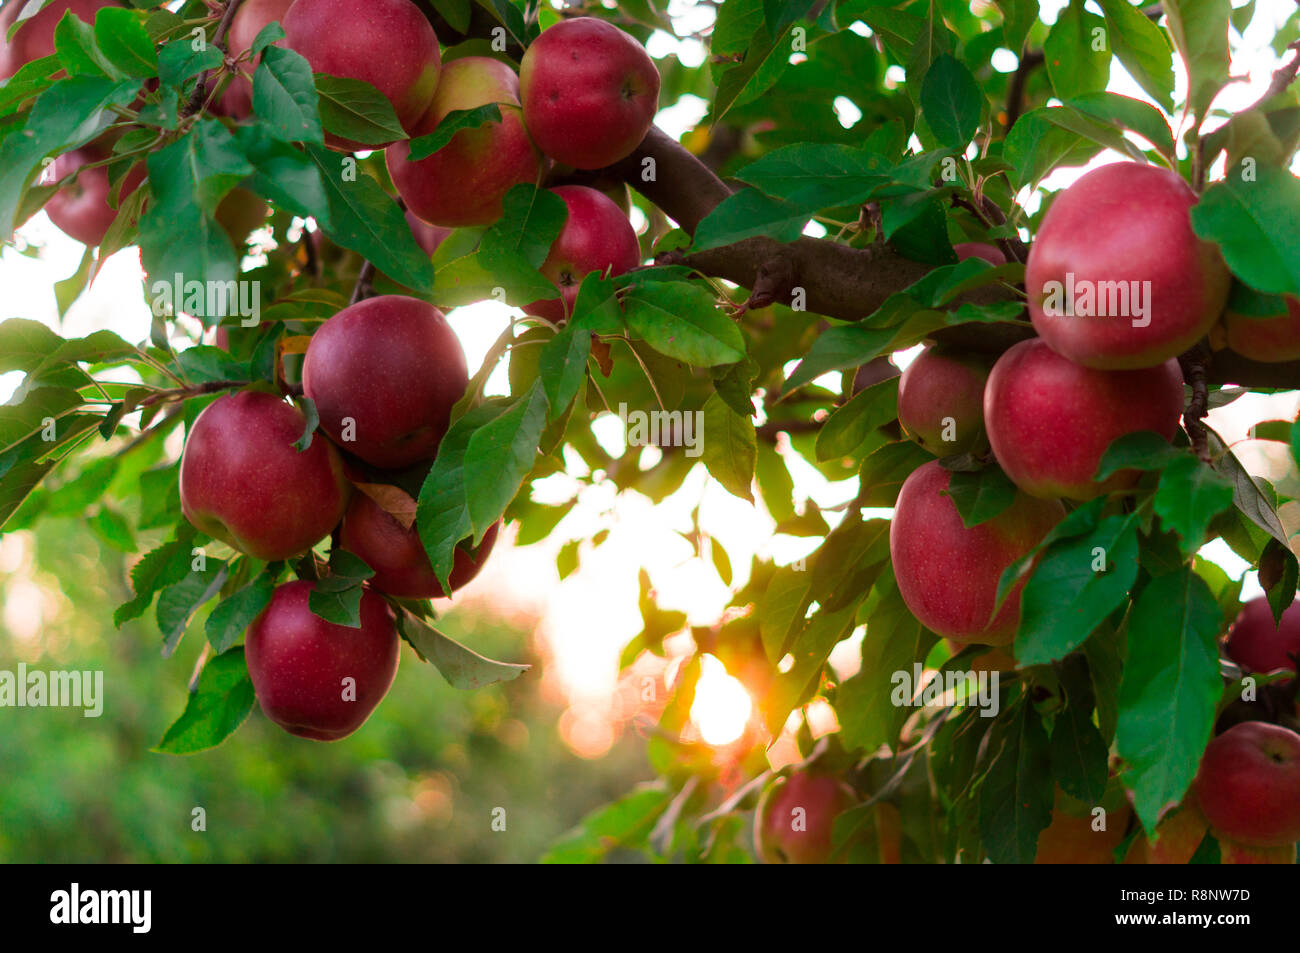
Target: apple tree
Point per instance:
(1044, 652)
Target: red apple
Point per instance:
(596, 237)
(990, 253)
(1248, 785)
(1258, 644)
(1270, 340)
(80, 209)
(1124, 227)
(386, 43)
(1070, 837)
(316, 679)
(427, 236)
(397, 556)
(384, 374)
(35, 38)
(941, 401)
(243, 482)
(1050, 420)
(250, 19)
(463, 183)
(948, 574)
(795, 816)
(590, 92)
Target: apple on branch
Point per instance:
(795, 816)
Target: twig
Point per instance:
(200, 88)
(1194, 363)
(194, 390)
(363, 289)
(1030, 60)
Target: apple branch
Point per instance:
(201, 87)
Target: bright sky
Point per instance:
(588, 617)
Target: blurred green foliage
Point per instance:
(417, 783)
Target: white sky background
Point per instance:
(587, 618)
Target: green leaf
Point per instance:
(1200, 32)
(179, 601)
(1018, 17)
(838, 349)
(1126, 113)
(980, 495)
(1169, 691)
(750, 214)
(452, 123)
(285, 99)
(157, 569)
(1143, 49)
(623, 825)
(883, 472)
(729, 447)
(951, 101)
(1015, 799)
(814, 175)
(179, 61)
(1079, 753)
(463, 668)
(356, 111)
(499, 456)
(1076, 585)
(1035, 146)
(122, 38)
(1253, 226)
(220, 703)
(78, 51)
(1189, 496)
(284, 175)
(234, 614)
(368, 222)
(1073, 65)
(457, 13)
(1140, 450)
(531, 220)
(562, 367)
(850, 426)
(682, 320)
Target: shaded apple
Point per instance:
(250, 19)
(990, 253)
(1258, 644)
(995, 659)
(243, 482)
(35, 38)
(795, 816)
(398, 557)
(1072, 837)
(941, 401)
(384, 374)
(1248, 785)
(590, 92)
(1178, 836)
(1050, 420)
(314, 678)
(1231, 852)
(1122, 234)
(239, 213)
(1269, 340)
(463, 182)
(427, 236)
(81, 208)
(948, 574)
(386, 43)
(596, 237)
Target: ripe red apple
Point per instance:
(596, 237)
(427, 236)
(990, 253)
(316, 679)
(384, 374)
(795, 816)
(397, 556)
(386, 43)
(590, 92)
(1271, 340)
(463, 183)
(948, 574)
(941, 401)
(1124, 227)
(251, 17)
(35, 38)
(1070, 838)
(1050, 420)
(80, 209)
(1258, 644)
(1248, 785)
(243, 482)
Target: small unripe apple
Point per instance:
(463, 182)
(947, 574)
(1119, 244)
(1248, 785)
(386, 43)
(398, 557)
(314, 678)
(1071, 838)
(252, 16)
(795, 816)
(35, 38)
(384, 374)
(1258, 644)
(596, 237)
(590, 92)
(1050, 420)
(243, 482)
(941, 401)
(1269, 340)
